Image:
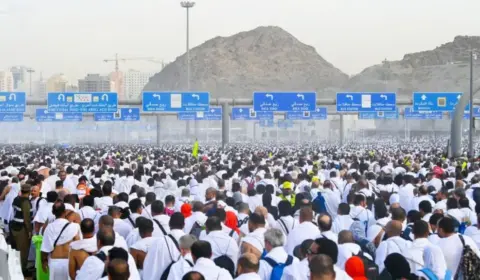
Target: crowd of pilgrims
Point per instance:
(312, 211)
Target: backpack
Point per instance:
(371, 269)
(319, 204)
(469, 266)
(250, 183)
(166, 272)
(277, 268)
(196, 230)
(225, 261)
(406, 233)
(364, 248)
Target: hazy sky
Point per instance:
(74, 36)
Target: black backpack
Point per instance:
(469, 266)
(166, 272)
(196, 230)
(371, 269)
(225, 261)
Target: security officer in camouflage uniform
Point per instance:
(21, 224)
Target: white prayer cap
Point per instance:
(394, 198)
(372, 232)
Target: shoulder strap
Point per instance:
(284, 225)
(101, 256)
(161, 227)
(463, 240)
(270, 261)
(231, 233)
(131, 221)
(429, 273)
(174, 241)
(63, 229)
(189, 262)
(289, 260)
(38, 202)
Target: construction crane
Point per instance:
(118, 59)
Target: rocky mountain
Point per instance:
(445, 68)
(265, 58)
(269, 58)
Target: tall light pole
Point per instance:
(187, 5)
(30, 71)
(473, 56)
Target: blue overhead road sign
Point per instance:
(88, 102)
(284, 124)
(124, 114)
(466, 113)
(366, 102)
(246, 113)
(409, 114)
(436, 101)
(176, 101)
(43, 115)
(12, 102)
(319, 114)
(378, 115)
(11, 117)
(266, 123)
(213, 114)
(284, 101)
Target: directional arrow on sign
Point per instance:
(459, 96)
(104, 97)
(196, 96)
(301, 96)
(269, 95)
(12, 96)
(383, 96)
(130, 111)
(350, 96)
(61, 97)
(424, 97)
(240, 110)
(157, 96)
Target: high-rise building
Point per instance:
(6, 81)
(135, 81)
(117, 78)
(57, 83)
(95, 83)
(20, 75)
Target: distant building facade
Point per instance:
(19, 74)
(6, 81)
(135, 81)
(57, 83)
(96, 83)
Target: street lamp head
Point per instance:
(187, 4)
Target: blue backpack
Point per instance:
(431, 276)
(277, 268)
(318, 204)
